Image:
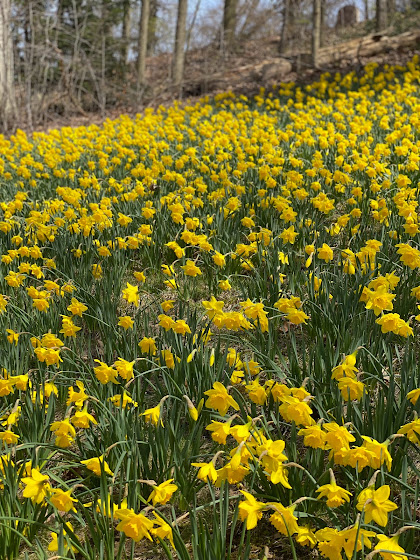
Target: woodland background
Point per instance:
(87, 59)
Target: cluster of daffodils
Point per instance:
(254, 454)
(212, 310)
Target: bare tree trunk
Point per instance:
(125, 34)
(390, 8)
(316, 31)
(322, 31)
(142, 46)
(381, 15)
(152, 27)
(28, 57)
(229, 23)
(287, 26)
(104, 40)
(284, 26)
(179, 54)
(366, 10)
(7, 93)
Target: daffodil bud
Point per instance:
(192, 411)
(191, 356)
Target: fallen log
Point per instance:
(356, 49)
(277, 69)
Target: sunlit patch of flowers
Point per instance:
(208, 323)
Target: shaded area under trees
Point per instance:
(66, 57)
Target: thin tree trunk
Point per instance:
(28, 59)
(152, 27)
(58, 24)
(366, 10)
(125, 39)
(191, 27)
(229, 23)
(104, 51)
(287, 26)
(7, 93)
(390, 7)
(316, 31)
(179, 51)
(142, 46)
(322, 24)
